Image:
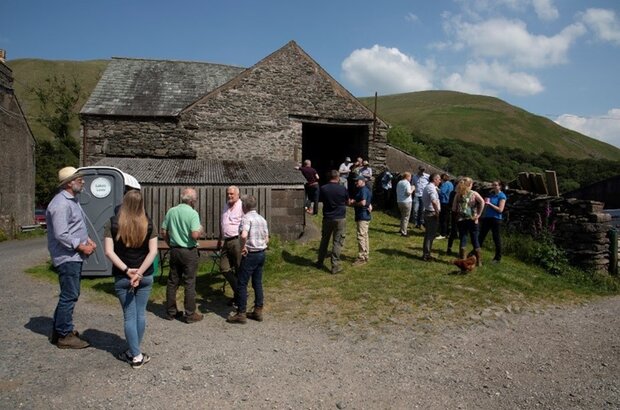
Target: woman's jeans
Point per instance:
(493, 225)
(468, 226)
(133, 301)
(69, 280)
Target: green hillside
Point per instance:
(486, 121)
(30, 73)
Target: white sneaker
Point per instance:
(440, 237)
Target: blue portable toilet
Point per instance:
(104, 188)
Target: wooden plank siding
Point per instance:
(158, 199)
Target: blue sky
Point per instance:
(555, 58)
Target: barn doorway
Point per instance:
(327, 145)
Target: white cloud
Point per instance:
(604, 24)
(545, 10)
(509, 39)
(483, 78)
(387, 71)
(604, 127)
(412, 18)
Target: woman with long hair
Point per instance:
(468, 206)
(130, 242)
(492, 218)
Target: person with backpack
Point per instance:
(468, 206)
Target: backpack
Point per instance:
(463, 209)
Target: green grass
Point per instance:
(396, 286)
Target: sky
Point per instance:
(556, 58)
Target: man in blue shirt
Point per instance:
(363, 207)
(69, 245)
(445, 189)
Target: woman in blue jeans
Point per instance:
(468, 206)
(131, 245)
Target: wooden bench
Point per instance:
(205, 245)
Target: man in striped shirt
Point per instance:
(254, 237)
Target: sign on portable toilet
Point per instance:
(104, 188)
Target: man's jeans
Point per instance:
(337, 229)
(69, 280)
(251, 267)
(183, 266)
(418, 213)
(133, 301)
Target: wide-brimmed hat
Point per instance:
(67, 174)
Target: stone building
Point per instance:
(17, 158)
(284, 109)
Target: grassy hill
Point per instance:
(486, 121)
(30, 73)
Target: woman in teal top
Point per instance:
(492, 218)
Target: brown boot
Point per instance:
(71, 341)
(478, 254)
(193, 318)
(461, 253)
(239, 317)
(256, 314)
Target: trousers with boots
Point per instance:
(256, 314)
(478, 254)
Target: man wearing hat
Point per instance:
(69, 245)
(362, 205)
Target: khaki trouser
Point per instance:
(363, 245)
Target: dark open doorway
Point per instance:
(327, 145)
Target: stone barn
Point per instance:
(17, 159)
(282, 110)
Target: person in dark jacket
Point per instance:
(335, 198)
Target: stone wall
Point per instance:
(287, 213)
(260, 114)
(578, 226)
(134, 137)
(16, 160)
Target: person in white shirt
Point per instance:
(344, 170)
(432, 208)
(419, 180)
(404, 189)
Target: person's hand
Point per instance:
(244, 251)
(370, 208)
(92, 243)
(134, 277)
(86, 248)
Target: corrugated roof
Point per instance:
(135, 87)
(207, 172)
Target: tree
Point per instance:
(57, 99)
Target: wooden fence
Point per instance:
(211, 199)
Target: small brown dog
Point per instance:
(466, 265)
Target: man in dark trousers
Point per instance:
(334, 197)
(311, 187)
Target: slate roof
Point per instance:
(136, 87)
(207, 172)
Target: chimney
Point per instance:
(2, 55)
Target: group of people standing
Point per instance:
(131, 245)
(446, 211)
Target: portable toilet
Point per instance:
(104, 188)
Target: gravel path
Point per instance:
(562, 358)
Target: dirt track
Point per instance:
(556, 359)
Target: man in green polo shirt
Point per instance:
(181, 229)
